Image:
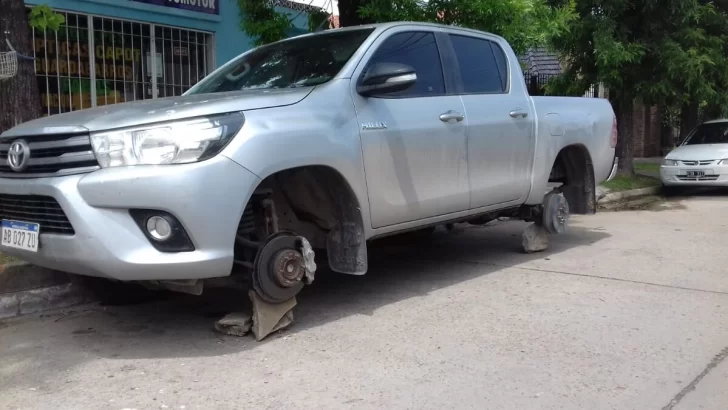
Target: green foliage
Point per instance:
(42, 17)
(524, 23)
(262, 22)
(662, 51)
(317, 19)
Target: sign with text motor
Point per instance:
(201, 6)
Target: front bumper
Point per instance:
(207, 198)
(712, 175)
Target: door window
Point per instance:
(482, 65)
(417, 49)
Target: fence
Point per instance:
(536, 84)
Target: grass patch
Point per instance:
(646, 167)
(620, 183)
(5, 259)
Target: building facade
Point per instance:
(112, 51)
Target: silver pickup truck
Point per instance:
(323, 141)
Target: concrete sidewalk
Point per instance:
(627, 310)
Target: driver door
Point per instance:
(414, 141)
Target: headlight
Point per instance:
(166, 143)
(669, 163)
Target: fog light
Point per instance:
(163, 230)
(159, 228)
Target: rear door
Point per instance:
(500, 122)
(415, 158)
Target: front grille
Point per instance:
(695, 163)
(703, 178)
(51, 155)
(43, 210)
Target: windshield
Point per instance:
(713, 133)
(298, 62)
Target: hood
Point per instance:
(162, 109)
(699, 152)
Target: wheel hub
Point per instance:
(280, 268)
(288, 267)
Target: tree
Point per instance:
(657, 51)
(19, 96)
(706, 54)
(349, 13)
(262, 22)
(524, 23)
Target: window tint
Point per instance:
(712, 133)
(480, 70)
(418, 50)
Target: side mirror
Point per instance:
(385, 78)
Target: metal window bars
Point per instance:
(95, 60)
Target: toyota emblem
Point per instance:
(18, 155)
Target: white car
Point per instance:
(700, 160)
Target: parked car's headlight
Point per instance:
(166, 143)
(669, 162)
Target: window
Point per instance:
(482, 65)
(299, 62)
(62, 65)
(118, 57)
(418, 50)
(712, 133)
(94, 61)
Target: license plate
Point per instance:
(20, 235)
(695, 174)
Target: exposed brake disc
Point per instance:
(280, 267)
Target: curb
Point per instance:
(26, 289)
(632, 193)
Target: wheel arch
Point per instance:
(574, 168)
(322, 194)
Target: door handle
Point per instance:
(451, 117)
(518, 113)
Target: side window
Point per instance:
(500, 59)
(482, 65)
(418, 50)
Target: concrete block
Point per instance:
(535, 239)
(26, 289)
(20, 276)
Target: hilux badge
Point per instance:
(373, 125)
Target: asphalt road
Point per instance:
(626, 311)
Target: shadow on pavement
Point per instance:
(698, 192)
(182, 326)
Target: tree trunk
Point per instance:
(667, 137)
(625, 144)
(349, 13)
(19, 97)
(688, 119)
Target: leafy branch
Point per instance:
(261, 21)
(42, 17)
